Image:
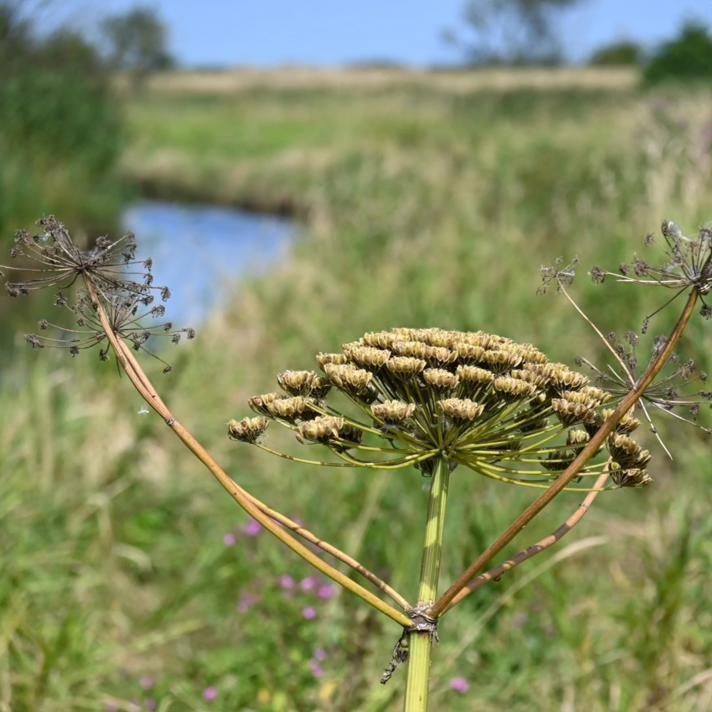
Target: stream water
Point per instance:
(199, 251)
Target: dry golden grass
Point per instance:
(457, 82)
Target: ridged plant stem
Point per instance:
(420, 643)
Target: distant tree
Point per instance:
(57, 111)
(511, 31)
(24, 50)
(623, 52)
(688, 57)
(70, 49)
(15, 34)
(138, 42)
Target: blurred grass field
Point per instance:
(423, 205)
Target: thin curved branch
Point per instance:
(458, 590)
(247, 501)
(621, 362)
(543, 544)
(149, 393)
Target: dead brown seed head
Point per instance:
(393, 411)
(462, 410)
(247, 430)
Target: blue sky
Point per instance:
(333, 32)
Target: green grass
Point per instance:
(420, 207)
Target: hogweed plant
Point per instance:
(428, 401)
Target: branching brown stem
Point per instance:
(543, 544)
(458, 590)
(268, 518)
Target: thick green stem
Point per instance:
(420, 643)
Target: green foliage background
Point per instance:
(61, 129)
(420, 205)
(686, 58)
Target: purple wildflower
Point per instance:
(286, 582)
(210, 694)
(316, 669)
(308, 584)
(459, 684)
(147, 682)
(229, 539)
(252, 528)
(309, 613)
(327, 591)
(247, 600)
(320, 655)
(151, 704)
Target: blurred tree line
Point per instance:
(137, 41)
(686, 57)
(527, 32)
(54, 93)
(510, 32)
(61, 129)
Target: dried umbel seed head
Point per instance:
(322, 429)
(571, 413)
(462, 410)
(577, 437)
(393, 411)
(379, 339)
(686, 264)
(502, 360)
(124, 314)
(480, 400)
(513, 388)
(530, 353)
(592, 393)
(469, 353)
(583, 398)
(324, 359)
(405, 366)
(414, 349)
(538, 380)
(247, 430)
(117, 291)
(303, 383)
(292, 409)
(626, 452)
(436, 337)
(440, 379)
(631, 477)
(260, 404)
(349, 378)
(560, 377)
(626, 425)
(475, 375)
(366, 356)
